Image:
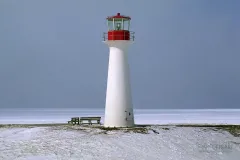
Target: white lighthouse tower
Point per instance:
(119, 107)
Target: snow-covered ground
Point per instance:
(75, 142)
(66, 143)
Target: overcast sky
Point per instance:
(186, 53)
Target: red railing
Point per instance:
(111, 36)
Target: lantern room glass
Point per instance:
(118, 24)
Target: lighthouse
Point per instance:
(118, 107)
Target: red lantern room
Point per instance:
(118, 28)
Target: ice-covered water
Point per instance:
(142, 116)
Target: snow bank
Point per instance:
(70, 143)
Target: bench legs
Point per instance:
(90, 122)
(73, 122)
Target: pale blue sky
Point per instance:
(186, 53)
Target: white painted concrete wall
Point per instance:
(119, 108)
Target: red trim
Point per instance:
(119, 35)
(118, 16)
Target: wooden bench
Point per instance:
(90, 120)
(74, 120)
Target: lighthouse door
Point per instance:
(128, 116)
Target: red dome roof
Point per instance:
(118, 16)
